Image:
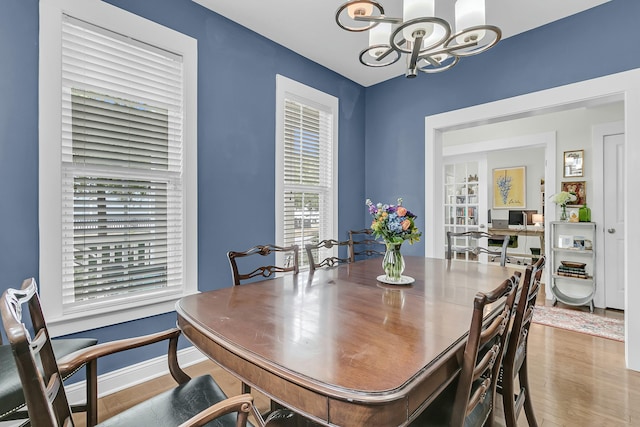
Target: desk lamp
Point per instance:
(538, 220)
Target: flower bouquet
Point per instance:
(563, 198)
(394, 224)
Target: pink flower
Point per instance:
(406, 224)
(401, 211)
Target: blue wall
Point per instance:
(236, 151)
(591, 44)
(236, 147)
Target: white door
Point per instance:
(613, 224)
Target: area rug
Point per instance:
(580, 321)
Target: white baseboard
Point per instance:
(118, 380)
(114, 381)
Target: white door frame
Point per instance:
(621, 86)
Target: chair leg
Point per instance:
(523, 375)
(489, 422)
(508, 399)
(91, 370)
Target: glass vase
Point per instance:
(563, 213)
(393, 262)
(584, 214)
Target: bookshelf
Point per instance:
(572, 262)
(461, 204)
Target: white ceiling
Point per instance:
(308, 27)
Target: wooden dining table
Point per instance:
(338, 346)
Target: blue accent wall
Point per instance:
(236, 144)
(236, 125)
(594, 43)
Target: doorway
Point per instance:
(618, 87)
(530, 152)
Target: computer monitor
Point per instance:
(518, 217)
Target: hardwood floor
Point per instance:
(576, 380)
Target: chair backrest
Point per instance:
(313, 254)
(523, 316)
(291, 261)
(469, 236)
(43, 389)
(483, 352)
(363, 244)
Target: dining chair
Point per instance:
(471, 244)
(514, 361)
(291, 262)
(469, 400)
(291, 265)
(194, 402)
(12, 400)
(363, 244)
(314, 251)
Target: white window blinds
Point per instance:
(308, 176)
(122, 207)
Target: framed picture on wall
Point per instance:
(573, 163)
(579, 189)
(509, 188)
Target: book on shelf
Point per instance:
(576, 275)
(572, 272)
(571, 269)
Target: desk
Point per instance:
(536, 231)
(339, 347)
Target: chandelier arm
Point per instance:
(385, 54)
(463, 46)
(446, 50)
(440, 68)
(430, 60)
(377, 63)
(377, 19)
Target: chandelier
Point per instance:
(429, 42)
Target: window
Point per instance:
(117, 159)
(306, 166)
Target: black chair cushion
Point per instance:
(11, 396)
(175, 406)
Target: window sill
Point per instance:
(89, 319)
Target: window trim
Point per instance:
(291, 89)
(49, 194)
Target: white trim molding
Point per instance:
(118, 380)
